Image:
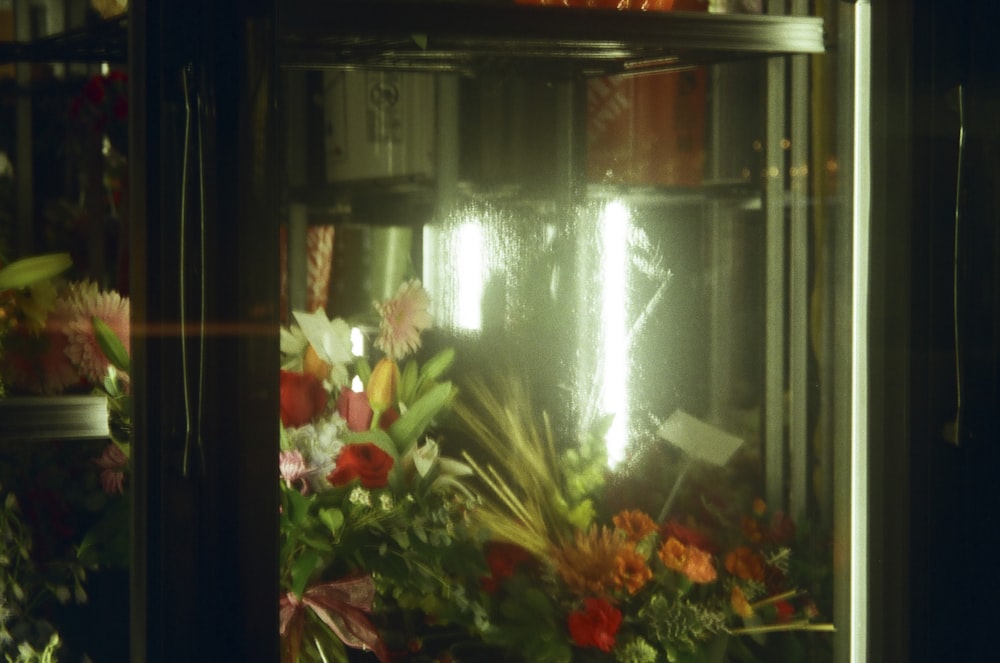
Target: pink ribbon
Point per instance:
(343, 605)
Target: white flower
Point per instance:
(319, 443)
(360, 497)
(385, 500)
(331, 339)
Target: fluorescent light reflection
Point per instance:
(357, 342)
(613, 242)
(471, 276)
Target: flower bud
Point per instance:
(313, 364)
(382, 385)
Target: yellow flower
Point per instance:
(381, 388)
(36, 303)
(739, 602)
(313, 364)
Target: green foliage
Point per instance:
(680, 626)
(527, 620)
(635, 650)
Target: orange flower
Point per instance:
(699, 567)
(759, 507)
(692, 561)
(633, 572)
(673, 554)
(636, 524)
(312, 363)
(744, 563)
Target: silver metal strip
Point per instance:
(799, 440)
(775, 297)
(27, 418)
(861, 189)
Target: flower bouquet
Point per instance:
(374, 516)
(569, 582)
(512, 552)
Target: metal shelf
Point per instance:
(467, 37)
(26, 418)
(104, 41)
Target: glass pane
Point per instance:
(616, 439)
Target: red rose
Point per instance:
(364, 461)
(595, 625)
(503, 559)
(354, 408)
(302, 398)
(784, 611)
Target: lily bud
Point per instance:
(382, 385)
(314, 365)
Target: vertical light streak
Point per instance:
(455, 271)
(470, 276)
(613, 350)
(859, 347)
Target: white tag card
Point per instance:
(699, 439)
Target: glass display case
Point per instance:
(634, 230)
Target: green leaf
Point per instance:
(379, 438)
(436, 366)
(110, 344)
(420, 40)
(24, 272)
(364, 369)
(297, 507)
(302, 570)
(333, 519)
(408, 383)
(406, 430)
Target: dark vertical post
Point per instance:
(205, 315)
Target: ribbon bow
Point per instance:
(343, 605)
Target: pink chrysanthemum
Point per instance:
(293, 469)
(404, 317)
(112, 462)
(87, 301)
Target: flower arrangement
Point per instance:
(374, 515)
(523, 558)
(62, 512)
(569, 581)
